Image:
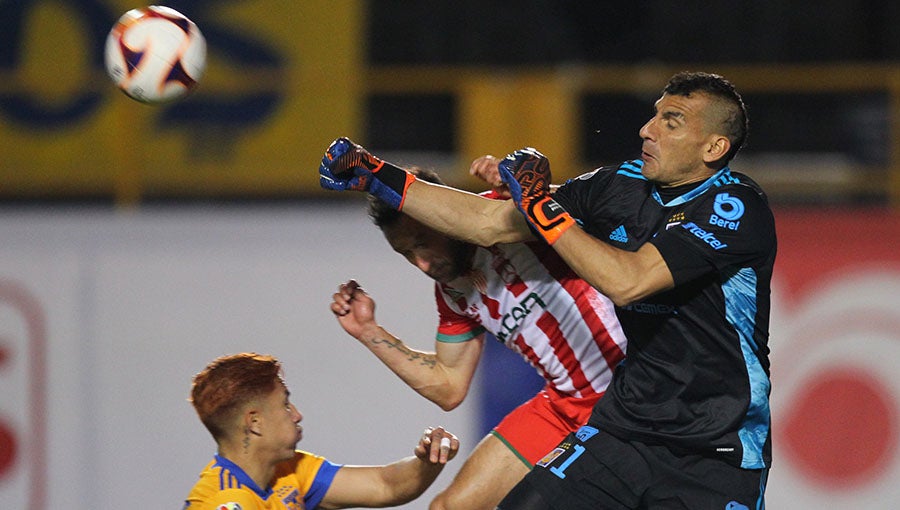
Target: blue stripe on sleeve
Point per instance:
(321, 483)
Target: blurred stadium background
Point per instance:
(140, 242)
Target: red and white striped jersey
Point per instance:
(526, 296)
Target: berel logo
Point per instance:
(728, 210)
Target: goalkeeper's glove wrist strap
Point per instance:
(395, 178)
(549, 218)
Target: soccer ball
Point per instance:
(155, 54)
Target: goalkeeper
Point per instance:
(685, 248)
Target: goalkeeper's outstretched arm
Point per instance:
(466, 216)
(348, 166)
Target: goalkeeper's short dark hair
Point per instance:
(384, 215)
(734, 122)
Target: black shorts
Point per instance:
(594, 470)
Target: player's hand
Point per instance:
(486, 169)
(354, 309)
(348, 166)
(437, 446)
(527, 173)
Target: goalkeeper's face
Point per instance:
(681, 143)
(442, 258)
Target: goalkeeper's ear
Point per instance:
(717, 148)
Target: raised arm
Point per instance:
(465, 215)
(623, 276)
(457, 213)
(442, 376)
(395, 483)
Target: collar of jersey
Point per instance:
(242, 477)
(690, 195)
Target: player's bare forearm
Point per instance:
(444, 384)
(413, 366)
(398, 482)
(381, 486)
(420, 370)
(411, 477)
(623, 276)
(464, 215)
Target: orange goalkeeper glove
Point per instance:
(348, 166)
(527, 173)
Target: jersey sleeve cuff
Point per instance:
(460, 337)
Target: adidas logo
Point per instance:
(619, 234)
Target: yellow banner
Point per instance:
(283, 79)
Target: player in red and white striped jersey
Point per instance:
(530, 300)
(525, 296)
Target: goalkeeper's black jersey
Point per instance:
(696, 374)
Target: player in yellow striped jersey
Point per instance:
(243, 401)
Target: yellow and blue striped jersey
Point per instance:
(300, 484)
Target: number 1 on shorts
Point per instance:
(560, 471)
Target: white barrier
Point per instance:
(105, 317)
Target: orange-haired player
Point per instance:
(244, 402)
